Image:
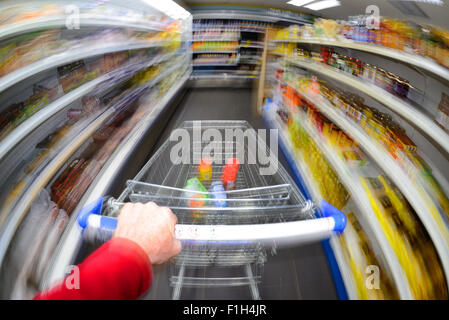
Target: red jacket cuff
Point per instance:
(119, 269)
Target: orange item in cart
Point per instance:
(205, 169)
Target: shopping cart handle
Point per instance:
(330, 211)
(333, 220)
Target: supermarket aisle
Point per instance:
(295, 273)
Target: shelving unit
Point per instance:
(401, 56)
(351, 181)
(155, 76)
(31, 124)
(71, 56)
(67, 248)
(243, 44)
(214, 51)
(20, 210)
(301, 167)
(419, 200)
(367, 217)
(86, 20)
(417, 118)
(429, 208)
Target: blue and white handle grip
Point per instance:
(285, 233)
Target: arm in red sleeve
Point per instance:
(118, 270)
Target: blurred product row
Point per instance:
(426, 40)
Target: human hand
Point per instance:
(151, 227)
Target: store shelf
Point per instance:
(416, 196)
(402, 108)
(67, 248)
(215, 40)
(214, 51)
(215, 64)
(15, 217)
(223, 15)
(247, 15)
(70, 56)
(399, 55)
(246, 61)
(251, 57)
(351, 180)
(229, 29)
(221, 75)
(252, 30)
(28, 126)
(255, 46)
(312, 189)
(86, 20)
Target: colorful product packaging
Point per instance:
(205, 169)
(219, 194)
(230, 171)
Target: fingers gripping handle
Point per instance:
(297, 231)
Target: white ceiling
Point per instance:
(438, 15)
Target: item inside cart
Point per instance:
(219, 226)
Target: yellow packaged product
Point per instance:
(361, 255)
(404, 239)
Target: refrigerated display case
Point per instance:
(73, 112)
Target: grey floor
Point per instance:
(295, 273)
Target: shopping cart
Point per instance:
(262, 212)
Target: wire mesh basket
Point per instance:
(256, 198)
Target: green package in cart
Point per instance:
(194, 184)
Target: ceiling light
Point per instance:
(299, 3)
(409, 8)
(170, 8)
(435, 2)
(323, 5)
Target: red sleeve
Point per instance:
(118, 270)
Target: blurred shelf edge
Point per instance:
(415, 60)
(418, 200)
(368, 219)
(215, 40)
(343, 266)
(12, 222)
(215, 65)
(255, 46)
(242, 15)
(418, 119)
(214, 51)
(223, 76)
(230, 28)
(29, 125)
(70, 56)
(86, 20)
(71, 239)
